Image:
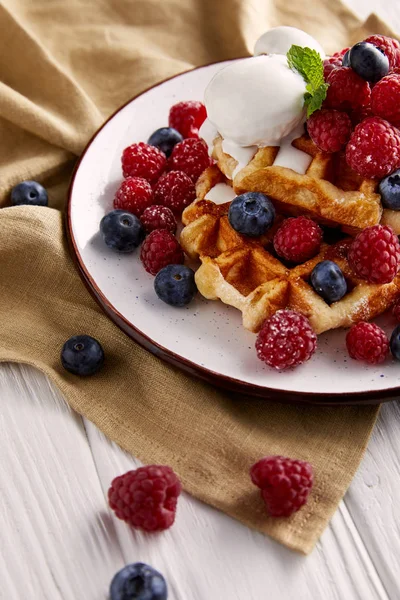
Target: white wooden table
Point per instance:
(59, 540)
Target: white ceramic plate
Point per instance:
(207, 337)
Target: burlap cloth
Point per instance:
(64, 67)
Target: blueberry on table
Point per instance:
(395, 342)
(121, 230)
(30, 193)
(368, 61)
(175, 285)
(251, 214)
(165, 139)
(328, 281)
(389, 189)
(138, 582)
(82, 355)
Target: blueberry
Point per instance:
(368, 61)
(389, 189)
(138, 582)
(251, 214)
(82, 355)
(165, 139)
(395, 342)
(175, 285)
(328, 281)
(29, 192)
(121, 230)
(346, 59)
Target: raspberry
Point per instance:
(143, 160)
(334, 61)
(298, 239)
(160, 249)
(187, 117)
(134, 195)
(347, 90)
(367, 342)
(358, 115)
(389, 46)
(329, 129)
(146, 498)
(286, 340)
(285, 483)
(158, 217)
(374, 254)
(191, 157)
(175, 190)
(374, 148)
(396, 310)
(385, 99)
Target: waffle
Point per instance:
(243, 272)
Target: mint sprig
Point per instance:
(309, 64)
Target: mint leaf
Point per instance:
(309, 64)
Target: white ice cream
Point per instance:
(279, 40)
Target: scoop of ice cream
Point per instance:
(256, 101)
(279, 40)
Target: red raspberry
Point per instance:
(175, 190)
(159, 249)
(134, 195)
(374, 148)
(367, 342)
(143, 160)
(359, 115)
(396, 310)
(374, 254)
(187, 117)
(146, 498)
(390, 47)
(347, 90)
(286, 340)
(385, 99)
(334, 61)
(158, 217)
(298, 239)
(191, 157)
(329, 129)
(285, 483)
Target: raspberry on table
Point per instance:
(347, 90)
(187, 117)
(374, 254)
(285, 483)
(158, 217)
(159, 249)
(134, 195)
(175, 190)
(396, 310)
(298, 239)
(385, 99)
(286, 340)
(334, 61)
(367, 342)
(146, 498)
(191, 157)
(143, 160)
(329, 129)
(389, 46)
(373, 150)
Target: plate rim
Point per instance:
(212, 377)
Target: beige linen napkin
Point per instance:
(64, 67)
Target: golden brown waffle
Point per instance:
(329, 192)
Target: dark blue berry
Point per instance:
(165, 139)
(175, 285)
(82, 355)
(346, 59)
(121, 230)
(389, 189)
(368, 61)
(328, 281)
(138, 582)
(395, 342)
(29, 192)
(251, 214)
